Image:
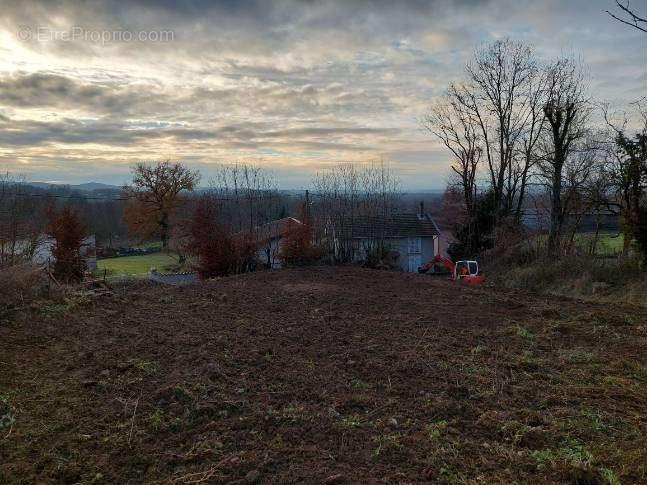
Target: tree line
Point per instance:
(517, 125)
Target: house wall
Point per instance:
(43, 253)
(428, 248)
(274, 246)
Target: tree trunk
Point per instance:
(164, 230)
(556, 216)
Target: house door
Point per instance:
(415, 261)
(415, 256)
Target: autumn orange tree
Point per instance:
(155, 195)
(66, 228)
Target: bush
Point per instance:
(380, 256)
(22, 284)
(218, 251)
(297, 246)
(68, 233)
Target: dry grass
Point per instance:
(22, 284)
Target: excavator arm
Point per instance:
(437, 259)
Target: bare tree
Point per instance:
(155, 195)
(567, 110)
(248, 196)
(533, 129)
(457, 129)
(493, 116)
(579, 171)
(349, 194)
(22, 220)
(496, 93)
(629, 16)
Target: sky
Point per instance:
(89, 88)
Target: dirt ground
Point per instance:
(324, 376)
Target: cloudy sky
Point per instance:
(88, 88)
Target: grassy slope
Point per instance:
(303, 375)
(608, 243)
(129, 265)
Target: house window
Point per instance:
(415, 245)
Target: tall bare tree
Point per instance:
(567, 110)
(533, 129)
(493, 116)
(457, 129)
(496, 93)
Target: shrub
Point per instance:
(218, 251)
(22, 284)
(297, 246)
(68, 232)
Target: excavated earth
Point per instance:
(323, 375)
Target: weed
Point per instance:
(451, 473)
(639, 373)
(575, 453)
(161, 421)
(525, 333)
(616, 381)
(147, 367)
(7, 420)
(544, 456)
(389, 443)
(609, 476)
(596, 420)
(360, 385)
(352, 421)
(289, 413)
(480, 350)
(576, 356)
(571, 452)
(434, 430)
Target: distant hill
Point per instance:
(85, 187)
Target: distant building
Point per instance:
(268, 237)
(414, 238)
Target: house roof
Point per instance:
(395, 225)
(274, 229)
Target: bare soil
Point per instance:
(324, 375)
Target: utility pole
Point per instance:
(307, 211)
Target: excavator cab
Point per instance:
(467, 271)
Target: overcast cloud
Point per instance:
(87, 89)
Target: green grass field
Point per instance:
(608, 243)
(133, 265)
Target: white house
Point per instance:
(413, 237)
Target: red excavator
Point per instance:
(467, 271)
